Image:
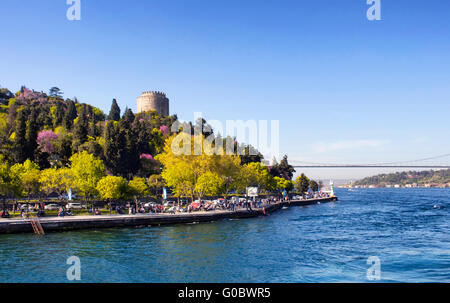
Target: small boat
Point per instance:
(284, 207)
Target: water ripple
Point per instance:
(318, 243)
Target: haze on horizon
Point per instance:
(345, 89)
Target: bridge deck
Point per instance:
(371, 166)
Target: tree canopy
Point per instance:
(87, 170)
(51, 145)
(114, 113)
(302, 184)
(111, 187)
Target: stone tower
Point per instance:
(153, 100)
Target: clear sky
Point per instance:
(345, 89)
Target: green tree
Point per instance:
(314, 186)
(127, 119)
(20, 143)
(122, 152)
(58, 114)
(143, 138)
(110, 150)
(184, 167)
(114, 113)
(286, 170)
(31, 134)
(283, 169)
(87, 170)
(181, 166)
(257, 174)
(156, 141)
(111, 187)
(302, 184)
(58, 180)
(209, 184)
(9, 181)
(4, 176)
(28, 174)
(282, 184)
(202, 127)
(69, 115)
(81, 129)
(13, 113)
(156, 183)
(63, 150)
(5, 95)
(229, 169)
(250, 155)
(127, 146)
(55, 92)
(138, 187)
(93, 147)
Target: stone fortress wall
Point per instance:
(153, 100)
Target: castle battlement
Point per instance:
(153, 101)
(152, 92)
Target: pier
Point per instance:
(58, 224)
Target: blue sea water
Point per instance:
(319, 243)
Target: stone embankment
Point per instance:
(56, 224)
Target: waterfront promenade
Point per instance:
(55, 224)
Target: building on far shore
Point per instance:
(153, 101)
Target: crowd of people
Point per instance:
(5, 214)
(315, 195)
(173, 207)
(26, 210)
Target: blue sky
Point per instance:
(345, 89)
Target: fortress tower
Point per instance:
(153, 100)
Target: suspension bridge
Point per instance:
(418, 163)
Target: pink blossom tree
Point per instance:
(147, 157)
(149, 165)
(45, 141)
(28, 94)
(164, 130)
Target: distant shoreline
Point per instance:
(392, 187)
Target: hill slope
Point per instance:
(420, 179)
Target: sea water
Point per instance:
(407, 230)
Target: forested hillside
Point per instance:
(48, 130)
(412, 177)
(52, 145)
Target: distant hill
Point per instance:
(421, 178)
